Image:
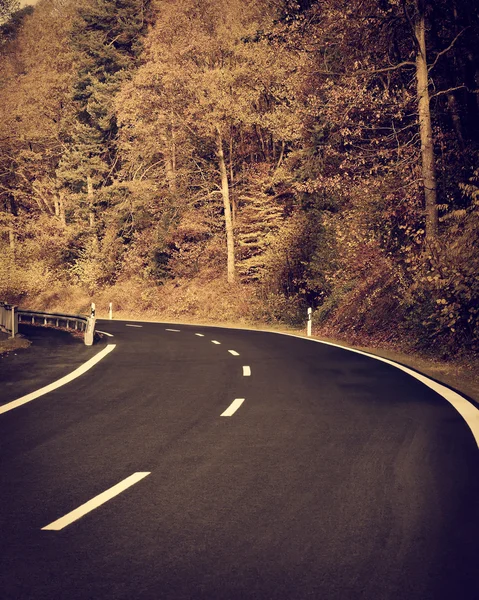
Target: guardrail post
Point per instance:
(14, 322)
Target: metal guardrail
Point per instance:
(80, 323)
(12, 315)
(35, 317)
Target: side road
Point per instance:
(51, 355)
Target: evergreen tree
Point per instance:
(106, 40)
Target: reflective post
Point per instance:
(309, 323)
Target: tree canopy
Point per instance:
(246, 160)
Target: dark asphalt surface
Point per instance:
(53, 353)
(339, 477)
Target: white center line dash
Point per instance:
(175, 330)
(233, 352)
(246, 371)
(233, 407)
(215, 342)
(95, 502)
(200, 334)
(128, 325)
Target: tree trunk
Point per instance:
(427, 143)
(61, 201)
(170, 171)
(170, 160)
(11, 238)
(11, 228)
(281, 155)
(91, 213)
(456, 118)
(227, 206)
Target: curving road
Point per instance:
(231, 464)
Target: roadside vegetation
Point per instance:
(8, 344)
(240, 161)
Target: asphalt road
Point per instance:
(337, 477)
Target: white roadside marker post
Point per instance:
(309, 323)
(90, 327)
(110, 314)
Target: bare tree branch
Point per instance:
(406, 63)
(449, 90)
(446, 49)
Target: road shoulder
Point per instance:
(51, 355)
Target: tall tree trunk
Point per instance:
(11, 238)
(170, 159)
(61, 202)
(91, 213)
(227, 207)
(456, 118)
(427, 143)
(11, 229)
(281, 155)
(451, 98)
(170, 171)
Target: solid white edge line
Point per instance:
(105, 333)
(468, 411)
(246, 371)
(95, 502)
(233, 352)
(233, 407)
(130, 325)
(59, 382)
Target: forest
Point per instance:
(239, 161)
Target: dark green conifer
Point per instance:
(106, 41)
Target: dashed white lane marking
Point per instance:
(105, 333)
(175, 330)
(56, 384)
(95, 502)
(233, 407)
(233, 352)
(246, 371)
(128, 325)
(215, 342)
(200, 334)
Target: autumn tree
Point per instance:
(209, 78)
(7, 8)
(36, 71)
